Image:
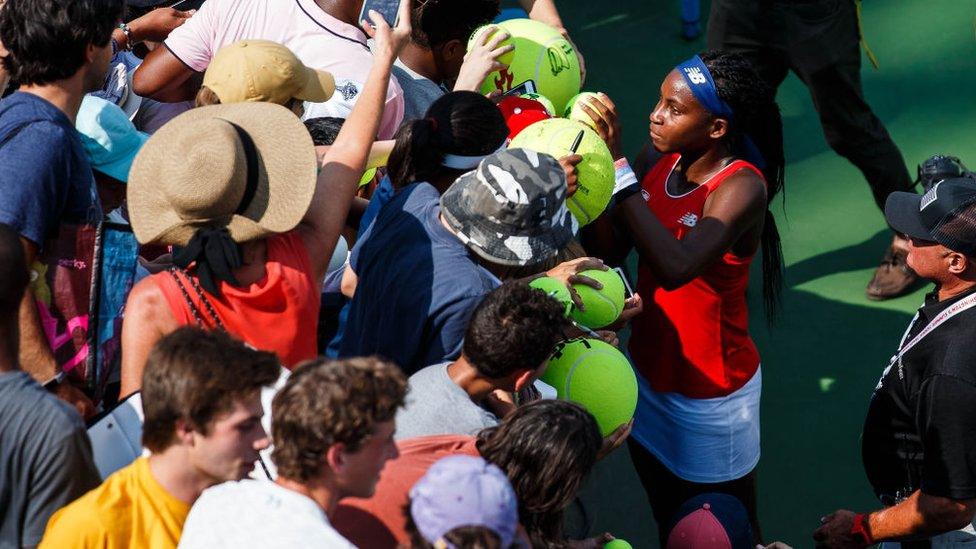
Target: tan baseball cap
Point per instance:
(262, 70)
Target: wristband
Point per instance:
(624, 176)
(861, 531)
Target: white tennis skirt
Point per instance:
(704, 440)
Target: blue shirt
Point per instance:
(384, 193)
(44, 173)
(418, 285)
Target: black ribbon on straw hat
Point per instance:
(212, 251)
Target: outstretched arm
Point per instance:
(343, 164)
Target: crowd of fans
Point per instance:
(296, 245)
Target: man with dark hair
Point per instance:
(45, 455)
(44, 173)
(429, 65)
(201, 395)
(508, 341)
(333, 424)
(919, 439)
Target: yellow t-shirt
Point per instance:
(129, 509)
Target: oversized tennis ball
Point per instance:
(491, 30)
(574, 109)
(550, 108)
(595, 173)
(617, 544)
(600, 307)
(597, 376)
(555, 289)
(541, 55)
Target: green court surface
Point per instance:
(824, 355)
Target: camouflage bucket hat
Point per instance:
(511, 210)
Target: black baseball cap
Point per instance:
(945, 214)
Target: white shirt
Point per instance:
(319, 40)
(258, 513)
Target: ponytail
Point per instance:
(414, 156)
(461, 123)
(756, 116)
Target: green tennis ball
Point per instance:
(600, 307)
(550, 108)
(541, 55)
(595, 173)
(618, 544)
(574, 109)
(491, 29)
(597, 376)
(554, 289)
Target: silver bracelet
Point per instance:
(128, 36)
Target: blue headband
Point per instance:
(700, 81)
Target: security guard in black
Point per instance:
(920, 431)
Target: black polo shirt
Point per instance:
(920, 430)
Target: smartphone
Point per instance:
(388, 9)
(525, 87)
(187, 5)
(628, 291)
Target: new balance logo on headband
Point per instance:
(695, 75)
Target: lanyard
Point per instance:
(940, 319)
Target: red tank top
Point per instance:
(693, 340)
(279, 313)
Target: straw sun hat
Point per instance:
(249, 167)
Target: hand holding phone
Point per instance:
(387, 41)
(388, 9)
(525, 87)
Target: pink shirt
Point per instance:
(318, 39)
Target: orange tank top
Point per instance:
(693, 340)
(278, 313)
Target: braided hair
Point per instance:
(756, 115)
